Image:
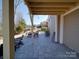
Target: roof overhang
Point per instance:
(50, 7)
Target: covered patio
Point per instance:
(36, 7)
(43, 48)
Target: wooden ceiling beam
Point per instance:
(52, 4)
(49, 9)
(48, 13)
(53, 0)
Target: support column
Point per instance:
(8, 29)
(31, 18)
(61, 28)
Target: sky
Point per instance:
(0, 4)
(22, 9)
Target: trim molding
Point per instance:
(75, 8)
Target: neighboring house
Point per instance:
(44, 23)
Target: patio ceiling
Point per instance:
(50, 7)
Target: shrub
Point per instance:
(19, 29)
(43, 29)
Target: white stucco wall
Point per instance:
(51, 25)
(71, 30)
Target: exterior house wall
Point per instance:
(51, 25)
(71, 30)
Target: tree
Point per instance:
(22, 22)
(21, 26)
(16, 4)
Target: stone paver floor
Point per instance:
(43, 48)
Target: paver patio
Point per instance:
(43, 48)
